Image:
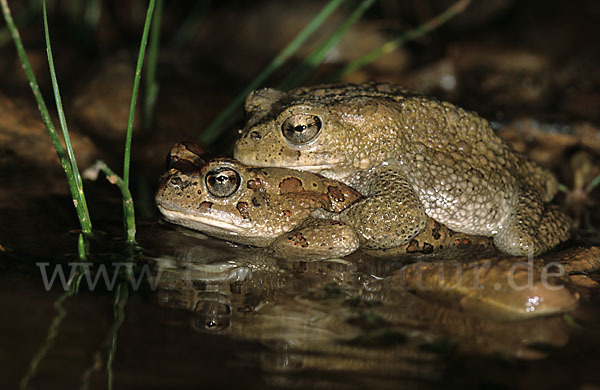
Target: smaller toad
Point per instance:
(294, 213)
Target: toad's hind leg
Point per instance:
(534, 227)
(390, 215)
(536, 177)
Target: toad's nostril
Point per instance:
(176, 182)
(255, 135)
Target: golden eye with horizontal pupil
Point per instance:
(223, 183)
(301, 128)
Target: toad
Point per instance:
(411, 157)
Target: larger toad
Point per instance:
(411, 157)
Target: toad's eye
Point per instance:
(301, 128)
(222, 183)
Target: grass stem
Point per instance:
(113, 178)
(415, 33)
(300, 74)
(76, 194)
(590, 187)
(188, 27)
(23, 17)
(134, 93)
(152, 85)
(81, 202)
(212, 132)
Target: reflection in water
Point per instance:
(337, 316)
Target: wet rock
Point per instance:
(580, 260)
(102, 103)
(550, 143)
(25, 144)
(499, 288)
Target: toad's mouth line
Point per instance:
(313, 167)
(303, 167)
(188, 219)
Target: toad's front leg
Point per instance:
(390, 215)
(317, 239)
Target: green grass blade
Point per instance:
(22, 18)
(134, 93)
(392, 45)
(84, 219)
(92, 14)
(113, 178)
(61, 117)
(82, 248)
(300, 74)
(187, 29)
(212, 132)
(151, 83)
(593, 184)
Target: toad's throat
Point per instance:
(191, 220)
(309, 168)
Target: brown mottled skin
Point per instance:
(268, 207)
(412, 157)
(278, 207)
